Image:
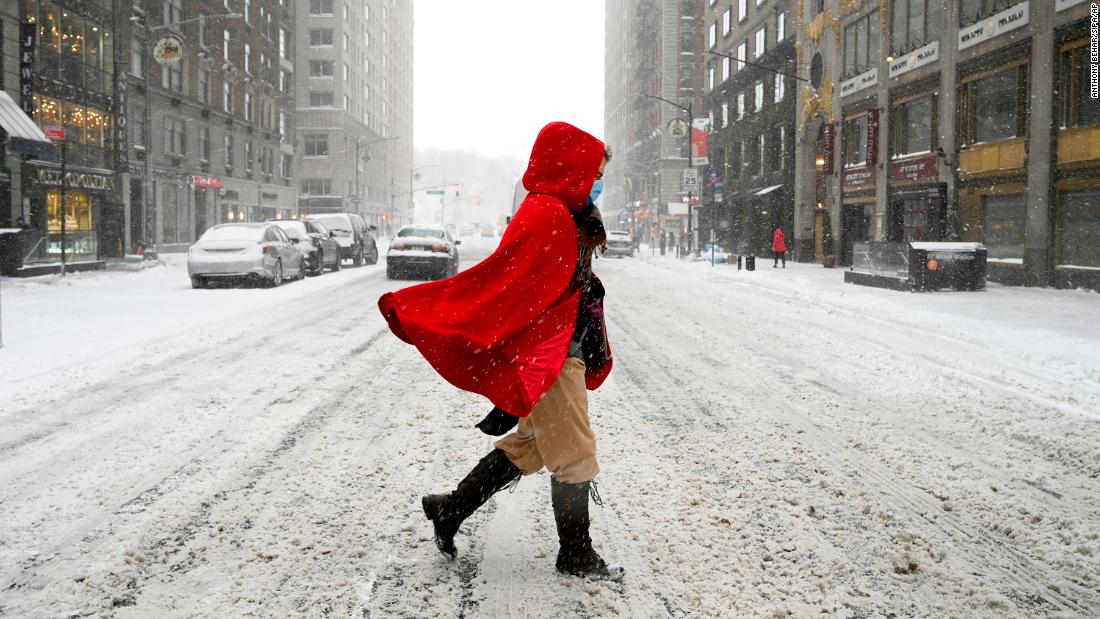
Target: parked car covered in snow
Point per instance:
(317, 244)
(259, 252)
(426, 250)
(619, 243)
(353, 236)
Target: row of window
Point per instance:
(72, 48)
(992, 106)
(325, 7)
(751, 157)
(760, 37)
(175, 134)
(760, 98)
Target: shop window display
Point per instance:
(1079, 228)
(1003, 221)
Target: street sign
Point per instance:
(56, 134)
(689, 179)
(435, 192)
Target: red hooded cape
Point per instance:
(502, 327)
(778, 242)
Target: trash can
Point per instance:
(935, 266)
(750, 263)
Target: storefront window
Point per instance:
(1080, 228)
(1078, 107)
(78, 212)
(71, 48)
(995, 106)
(913, 125)
(855, 141)
(1003, 220)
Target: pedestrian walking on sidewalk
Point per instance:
(525, 329)
(661, 242)
(779, 248)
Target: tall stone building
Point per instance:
(216, 127)
(355, 108)
(951, 120)
(750, 81)
(653, 49)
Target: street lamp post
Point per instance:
(147, 115)
(686, 110)
(359, 144)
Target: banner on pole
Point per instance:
(700, 131)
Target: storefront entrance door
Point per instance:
(855, 226)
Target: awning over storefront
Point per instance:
(23, 135)
(765, 191)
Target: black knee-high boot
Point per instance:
(447, 511)
(576, 555)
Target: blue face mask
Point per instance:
(597, 187)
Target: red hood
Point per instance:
(564, 163)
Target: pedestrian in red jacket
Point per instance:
(779, 248)
(517, 329)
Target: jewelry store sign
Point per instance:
(915, 59)
(993, 27)
(864, 80)
(76, 180)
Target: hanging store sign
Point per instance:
(872, 136)
(204, 182)
(700, 132)
(915, 59)
(992, 27)
(76, 180)
(168, 50)
(860, 178)
(27, 34)
(677, 128)
(830, 139)
(860, 82)
(1061, 5)
(920, 169)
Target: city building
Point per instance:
(750, 82)
(653, 76)
(951, 120)
(355, 131)
(59, 68)
(216, 125)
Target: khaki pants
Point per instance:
(557, 433)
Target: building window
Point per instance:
(248, 11)
(973, 11)
(742, 10)
(320, 68)
(317, 186)
(347, 72)
(758, 91)
(740, 106)
(268, 163)
(347, 42)
(1079, 227)
(1077, 107)
(320, 37)
(1003, 220)
(781, 148)
(742, 54)
(913, 126)
(137, 56)
(861, 45)
(225, 45)
(171, 77)
(995, 107)
(725, 68)
(321, 98)
(202, 86)
(288, 166)
(761, 41)
(713, 37)
(284, 81)
(228, 153)
(284, 44)
(173, 12)
(914, 23)
(227, 97)
(855, 141)
(321, 7)
(725, 115)
(316, 144)
(204, 143)
(284, 135)
(736, 160)
(202, 30)
(175, 136)
(247, 58)
(248, 106)
(248, 158)
(780, 26)
(710, 77)
(780, 87)
(727, 22)
(756, 155)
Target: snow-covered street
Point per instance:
(772, 443)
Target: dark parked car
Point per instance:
(428, 251)
(353, 236)
(318, 246)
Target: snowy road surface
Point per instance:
(773, 444)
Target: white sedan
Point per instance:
(258, 252)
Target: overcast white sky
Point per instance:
(490, 73)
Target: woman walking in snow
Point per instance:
(779, 248)
(525, 329)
